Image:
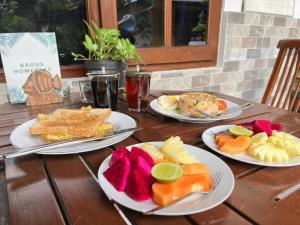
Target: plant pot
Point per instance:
(118, 66)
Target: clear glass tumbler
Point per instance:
(137, 85)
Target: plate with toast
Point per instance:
(69, 125)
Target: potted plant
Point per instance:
(106, 48)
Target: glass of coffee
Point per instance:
(101, 89)
(137, 85)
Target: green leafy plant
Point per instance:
(106, 44)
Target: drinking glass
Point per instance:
(101, 89)
(137, 85)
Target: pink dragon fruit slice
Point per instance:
(140, 180)
(262, 126)
(248, 125)
(258, 126)
(277, 126)
(136, 151)
(119, 153)
(118, 172)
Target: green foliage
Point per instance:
(10, 22)
(104, 43)
(59, 16)
(202, 28)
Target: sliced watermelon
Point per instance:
(119, 153)
(118, 172)
(136, 151)
(140, 180)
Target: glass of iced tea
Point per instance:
(137, 86)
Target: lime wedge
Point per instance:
(240, 131)
(167, 172)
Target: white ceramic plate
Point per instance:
(197, 203)
(209, 139)
(21, 138)
(174, 114)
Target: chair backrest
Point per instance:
(282, 90)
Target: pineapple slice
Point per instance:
(173, 149)
(152, 151)
(292, 146)
(269, 152)
(259, 139)
(277, 141)
(283, 135)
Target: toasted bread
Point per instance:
(71, 123)
(100, 131)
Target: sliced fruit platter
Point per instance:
(259, 142)
(147, 175)
(189, 107)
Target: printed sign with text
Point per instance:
(24, 53)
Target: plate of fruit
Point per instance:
(259, 142)
(147, 175)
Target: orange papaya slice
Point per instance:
(164, 194)
(195, 168)
(237, 145)
(222, 138)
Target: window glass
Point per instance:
(142, 22)
(64, 17)
(189, 22)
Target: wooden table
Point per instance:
(60, 190)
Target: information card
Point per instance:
(24, 53)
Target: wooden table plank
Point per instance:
(8, 108)
(7, 130)
(254, 196)
(4, 141)
(13, 122)
(31, 200)
(82, 198)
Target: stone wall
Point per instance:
(247, 52)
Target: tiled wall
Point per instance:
(247, 53)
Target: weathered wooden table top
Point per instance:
(58, 190)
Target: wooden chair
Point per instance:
(283, 88)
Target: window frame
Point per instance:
(170, 57)
(104, 12)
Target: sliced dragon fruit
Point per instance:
(258, 126)
(136, 151)
(262, 126)
(118, 172)
(277, 126)
(140, 180)
(119, 153)
(248, 125)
